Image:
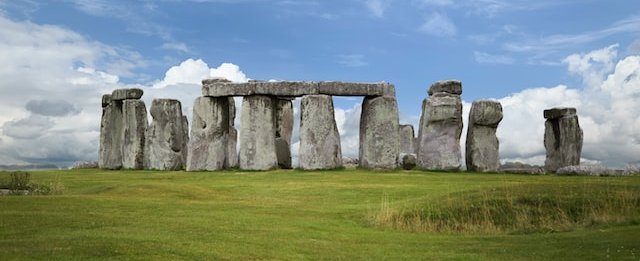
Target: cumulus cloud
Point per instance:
(50, 97)
(57, 108)
(438, 24)
(606, 104)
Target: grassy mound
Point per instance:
(517, 209)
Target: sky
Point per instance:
(58, 57)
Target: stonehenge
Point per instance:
(481, 150)
(210, 127)
(379, 133)
(165, 143)
(122, 128)
(264, 139)
(407, 139)
(441, 127)
(562, 138)
(319, 137)
(257, 133)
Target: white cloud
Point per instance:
(230, 72)
(482, 57)
(438, 24)
(606, 105)
(50, 97)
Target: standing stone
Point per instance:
(407, 139)
(482, 147)
(379, 133)
(135, 125)
(111, 131)
(257, 133)
(562, 138)
(185, 144)
(319, 137)
(441, 127)
(232, 151)
(208, 143)
(165, 137)
(284, 129)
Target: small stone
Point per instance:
(408, 161)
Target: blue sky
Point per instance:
(500, 49)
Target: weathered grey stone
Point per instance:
(232, 151)
(165, 137)
(379, 133)
(356, 89)
(562, 139)
(208, 144)
(439, 132)
(185, 144)
(482, 146)
(85, 165)
(217, 88)
(257, 133)
(135, 126)
(126, 94)
(106, 100)
(407, 161)
(448, 86)
(232, 142)
(591, 170)
(319, 137)
(284, 129)
(283, 153)
(349, 162)
(284, 120)
(555, 113)
(407, 139)
(111, 133)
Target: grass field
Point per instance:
(332, 215)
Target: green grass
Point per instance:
(334, 215)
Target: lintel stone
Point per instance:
(217, 88)
(126, 94)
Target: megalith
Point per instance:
(284, 129)
(257, 133)
(166, 138)
(482, 146)
(111, 131)
(562, 138)
(441, 127)
(232, 141)
(208, 144)
(135, 125)
(122, 128)
(319, 137)
(379, 133)
(407, 139)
